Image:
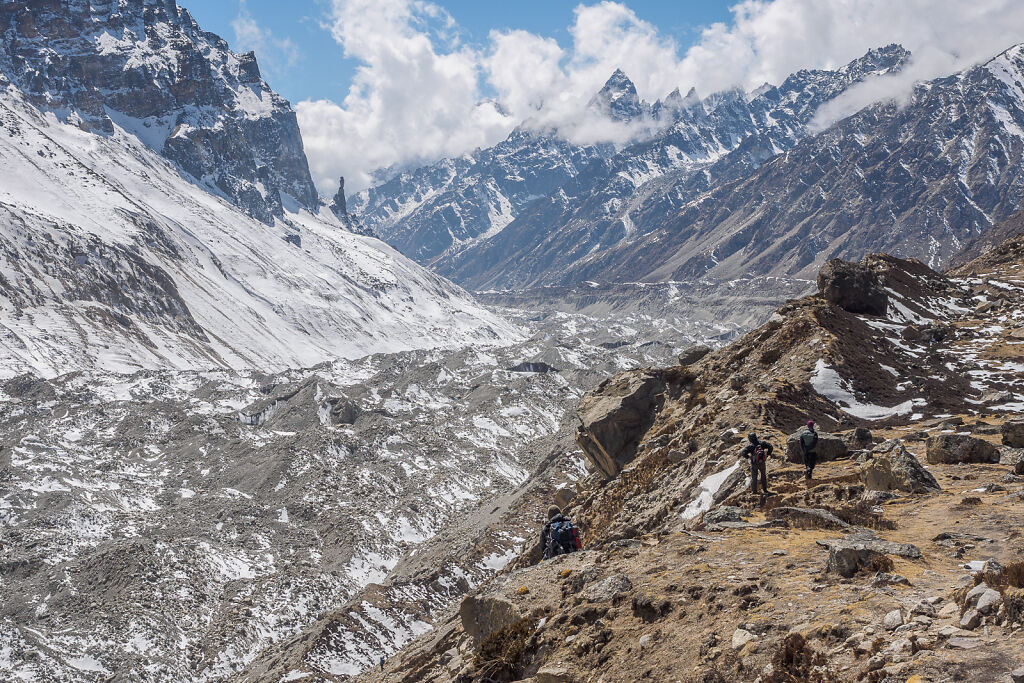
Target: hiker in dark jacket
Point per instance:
(559, 535)
(757, 451)
(809, 449)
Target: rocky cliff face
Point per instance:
(898, 559)
(147, 67)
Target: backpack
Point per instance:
(809, 439)
(760, 454)
(563, 538)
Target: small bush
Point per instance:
(522, 590)
(1010, 576)
(797, 662)
(880, 563)
(501, 652)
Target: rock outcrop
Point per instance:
(482, 616)
(960, 448)
(893, 468)
(615, 417)
(830, 447)
(854, 287)
(1013, 433)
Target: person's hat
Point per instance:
(553, 511)
(810, 423)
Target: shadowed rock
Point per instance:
(960, 448)
(853, 287)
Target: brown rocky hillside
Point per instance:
(902, 560)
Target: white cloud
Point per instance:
(276, 55)
(416, 96)
(420, 92)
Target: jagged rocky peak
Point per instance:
(339, 207)
(619, 100)
(147, 66)
(879, 60)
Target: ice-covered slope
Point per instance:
(110, 259)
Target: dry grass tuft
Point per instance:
(501, 652)
(797, 662)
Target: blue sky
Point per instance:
(314, 67)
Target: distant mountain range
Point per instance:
(739, 184)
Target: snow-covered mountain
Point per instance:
(112, 260)
(147, 67)
(452, 204)
(713, 141)
(744, 185)
(588, 208)
(455, 202)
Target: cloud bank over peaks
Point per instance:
(422, 92)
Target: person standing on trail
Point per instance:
(559, 536)
(757, 451)
(382, 663)
(809, 449)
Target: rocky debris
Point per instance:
(848, 560)
(608, 589)
(830, 447)
(1013, 433)
(859, 439)
(615, 417)
(724, 513)
(863, 549)
(740, 637)
(807, 518)
(960, 448)
(854, 287)
(893, 620)
(482, 616)
(970, 620)
(1017, 675)
(894, 468)
(693, 354)
(649, 608)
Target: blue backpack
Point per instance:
(563, 537)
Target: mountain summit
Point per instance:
(618, 99)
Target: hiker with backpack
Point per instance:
(809, 449)
(757, 451)
(559, 536)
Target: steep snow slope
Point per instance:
(111, 259)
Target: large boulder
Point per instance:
(1013, 433)
(614, 418)
(830, 447)
(694, 354)
(854, 287)
(482, 616)
(894, 468)
(960, 448)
